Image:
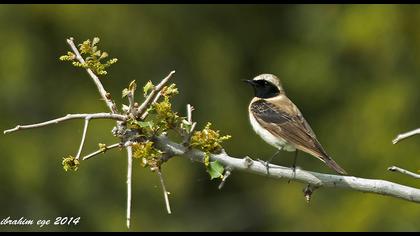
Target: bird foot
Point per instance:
(294, 173)
(266, 163)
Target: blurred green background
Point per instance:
(353, 70)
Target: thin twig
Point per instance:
(130, 97)
(83, 137)
(190, 109)
(165, 193)
(402, 171)
(101, 151)
(111, 105)
(225, 176)
(129, 169)
(153, 102)
(68, 117)
(152, 94)
(405, 135)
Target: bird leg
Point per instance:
(267, 163)
(294, 165)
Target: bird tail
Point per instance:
(324, 157)
(332, 164)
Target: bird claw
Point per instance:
(266, 163)
(294, 173)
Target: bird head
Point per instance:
(266, 86)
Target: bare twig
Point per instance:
(101, 151)
(225, 176)
(83, 137)
(165, 193)
(402, 171)
(68, 117)
(129, 169)
(405, 135)
(153, 102)
(190, 109)
(377, 186)
(104, 94)
(152, 95)
(130, 97)
(187, 138)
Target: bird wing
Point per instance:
(290, 125)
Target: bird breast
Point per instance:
(277, 142)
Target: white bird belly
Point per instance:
(277, 142)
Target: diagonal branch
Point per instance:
(165, 193)
(155, 92)
(153, 102)
(402, 171)
(405, 135)
(68, 117)
(102, 150)
(104, 94)
(246, 164)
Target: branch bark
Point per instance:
(155, 93)
(68, 117)
(101, 151)
(129, 169)
(405, 135)
(82, 142)
(405, 172)
(104, 94)
(246, 164)
(165, 193)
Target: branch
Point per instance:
(228, 172)
(152, 94)
(68, 117)
(83, 137)
(101, 151)
(129, 168)
(104, 94)
(153, 102)
(165, 193)
(313, 178)
(405, 172)
(405, 135)
(187, 138)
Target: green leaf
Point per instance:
(125, 92)
(215, 169)
(149, 85)
(144, 124)
(103, 55)
(95, 41)
(132, 86)
(102, 147)
(170, 91)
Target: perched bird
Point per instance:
(280, 123)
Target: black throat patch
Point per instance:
(265, 89)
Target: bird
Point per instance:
(279, 122)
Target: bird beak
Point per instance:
(249, 81)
